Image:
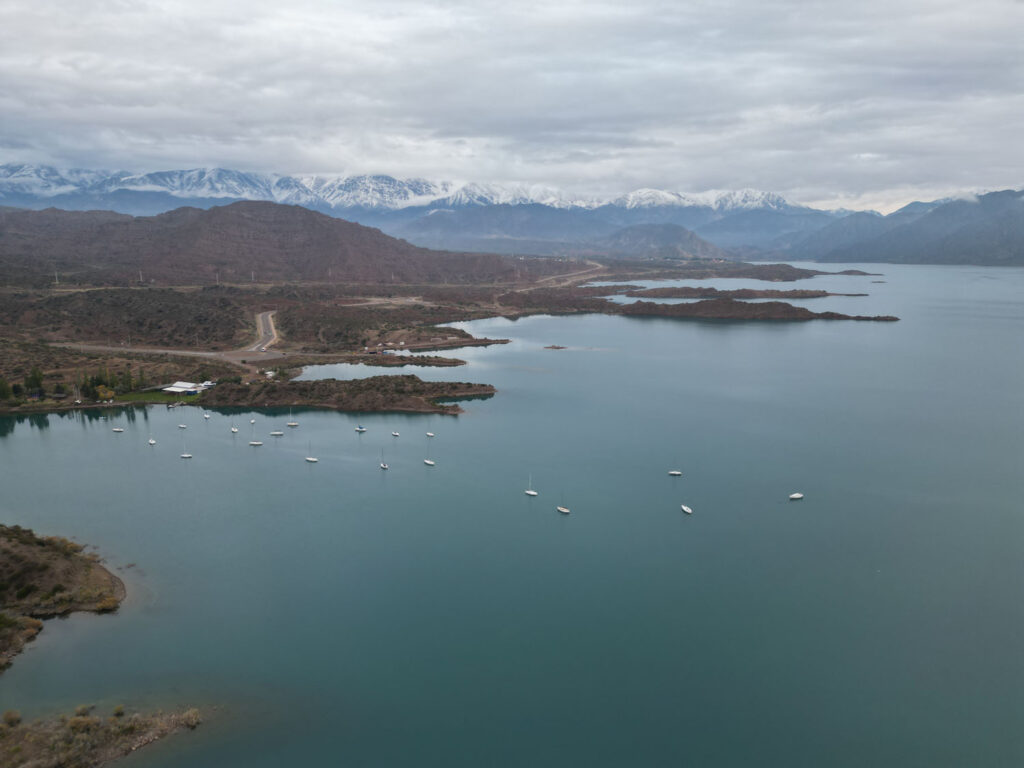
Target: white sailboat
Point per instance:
(675, 473)
(206, 415)
(430, 434)
(686, 509)
(561, 507)
(795, 496)
(360, 428)
(152, 441)
(394, 434)
(183, 426)
(383, 464)
(252, 440)
(184, 453)
(291, 423)
(311, 458)
(428, 461)
(234, 429)
(529, 488)
(276, 433)
(117, 429)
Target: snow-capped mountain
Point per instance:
(476, 214)
(339, 192)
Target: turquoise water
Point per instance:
(337, 614)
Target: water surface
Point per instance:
(337, 614)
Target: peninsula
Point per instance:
(40, 578)
(402, 393)
(43, 577)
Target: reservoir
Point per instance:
(335, 614)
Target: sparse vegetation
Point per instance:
(84, 741)
(47, 576)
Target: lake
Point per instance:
(332, 613)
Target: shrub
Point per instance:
(191, 718)
(107, 605)
(82, 724)
(12, 717)
(118, 711)
(25, 591)
(83, 710)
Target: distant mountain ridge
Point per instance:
(537, 219)
(39, 182)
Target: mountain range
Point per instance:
(235, 243)
(541, 220)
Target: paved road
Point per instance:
(251, 354)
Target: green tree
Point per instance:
(34, 380)
(5, 390)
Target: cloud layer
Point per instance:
(867, 103)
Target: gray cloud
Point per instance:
(863, 104)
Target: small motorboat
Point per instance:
(430, 434)
(206, 415)
(152, 441)
(252, 421)
(394, 434)
(312, 459)
(795, 496)
(183, 426)
(686, 509)
(234, 429)
(429, 462)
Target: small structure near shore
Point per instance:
(187, 387)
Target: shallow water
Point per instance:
(438, 616)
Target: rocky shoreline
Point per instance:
(396, 393)
(688, 292)
(730, 309)
(44, 577)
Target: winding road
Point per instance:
(266, 336)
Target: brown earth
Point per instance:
(85, 739)
(42, 577)
(378, 393)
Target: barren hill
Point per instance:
(246, 241)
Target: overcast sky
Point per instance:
(863, 104)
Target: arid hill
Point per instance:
(237, 243)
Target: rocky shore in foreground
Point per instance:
(43, 577)
(85, 739)
(46, 576)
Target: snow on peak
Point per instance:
(378, 192)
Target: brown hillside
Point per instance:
(232, 243)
